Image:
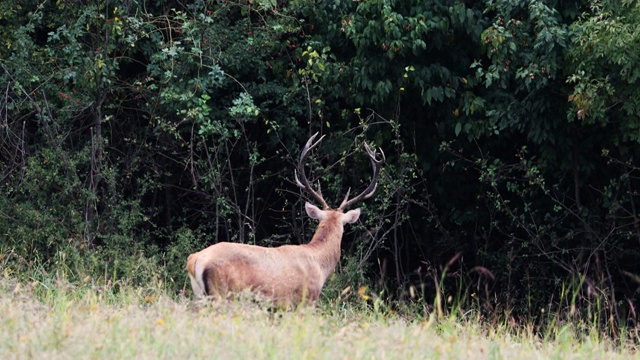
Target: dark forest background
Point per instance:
(135, 132)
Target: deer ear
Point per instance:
(351, 216)
(314, 212)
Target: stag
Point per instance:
(289, 274)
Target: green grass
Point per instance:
(55, 320)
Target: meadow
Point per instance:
(53, 319)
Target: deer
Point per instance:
(287, 275)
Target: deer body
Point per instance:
(289, 274)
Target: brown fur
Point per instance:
(287, 275)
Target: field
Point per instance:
(56, 320)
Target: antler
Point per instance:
(368, 192)
(305, 182)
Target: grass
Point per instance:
(55, 320)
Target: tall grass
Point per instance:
(54, 319)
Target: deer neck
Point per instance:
(325, 244)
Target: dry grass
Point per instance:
(55, 321)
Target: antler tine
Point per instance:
(368, 192)
(304, 184)
(372, 154)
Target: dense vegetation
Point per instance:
(135, 132)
